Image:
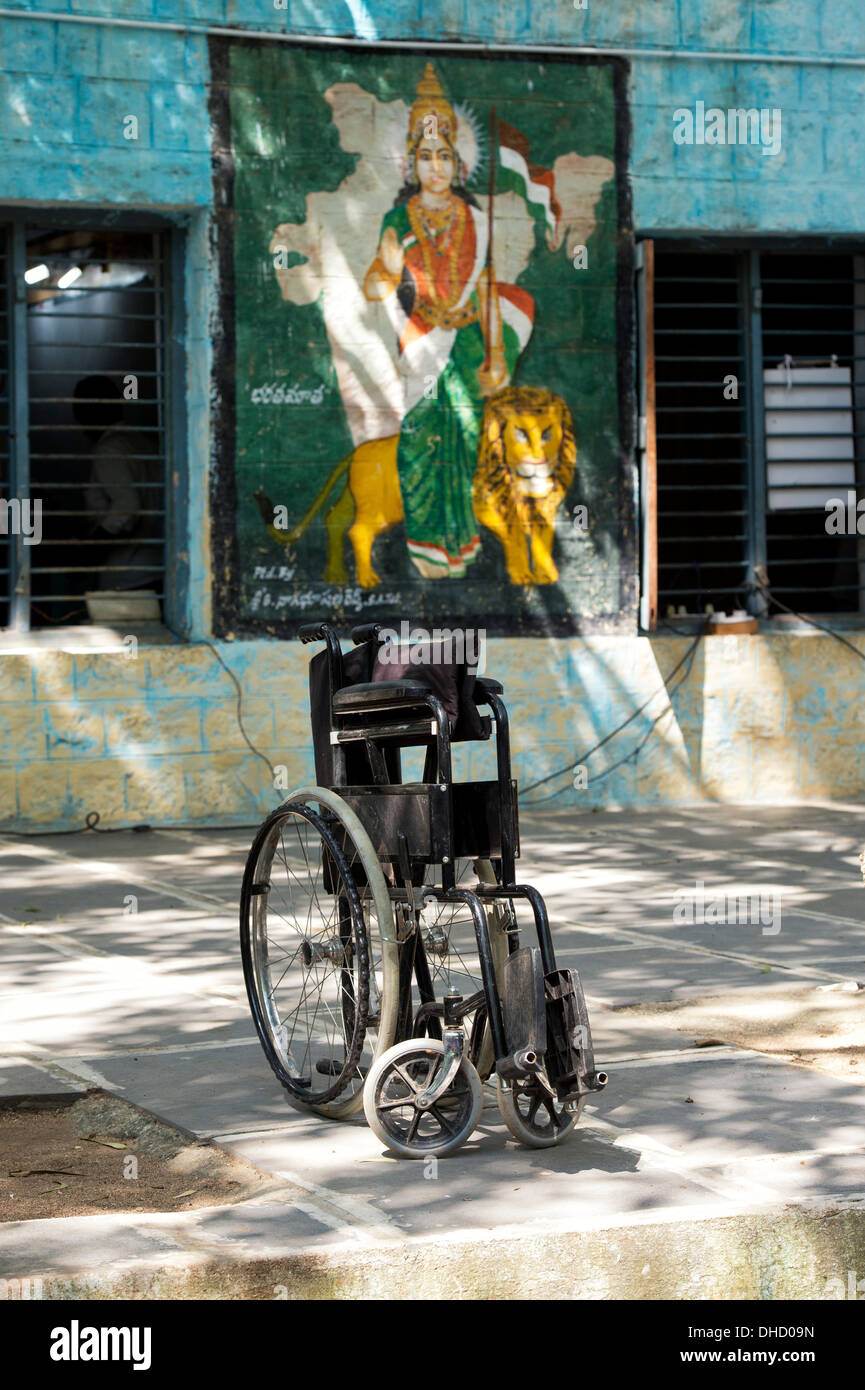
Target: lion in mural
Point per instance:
(526, 462)
(368, 503)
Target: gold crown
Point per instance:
(430, 100)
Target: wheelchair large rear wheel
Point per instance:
(320, 958)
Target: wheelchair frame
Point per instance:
(529, 1022)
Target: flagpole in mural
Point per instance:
(491, 226)
(494, 372)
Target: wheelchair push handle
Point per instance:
(365, 632)
(323, 632)
(317, 632)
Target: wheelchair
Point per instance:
(379, 925)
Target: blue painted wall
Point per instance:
(66, 87)
(66, 90)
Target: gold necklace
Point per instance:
(435, 221)
(459, 216)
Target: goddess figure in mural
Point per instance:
(460, 334)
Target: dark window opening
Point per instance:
(809, 320)
(759, 420)
(89, 354)
(701, 436)
(5, 410)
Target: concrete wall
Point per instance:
(66, 89)
(66, 86)
(155, 738)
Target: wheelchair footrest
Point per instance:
(569, 1056)
(524, 1014)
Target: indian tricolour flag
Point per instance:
(534, 183)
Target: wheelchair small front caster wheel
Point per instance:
(395, 1081)
(533, 1118)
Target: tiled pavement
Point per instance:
(119, 967)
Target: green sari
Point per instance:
(440, 432)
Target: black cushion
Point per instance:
(367, 678)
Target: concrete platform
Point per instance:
(707, 1169)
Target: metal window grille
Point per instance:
(5, 407)
(702, 438)
(812, 335)
(745, 468)
(87, 358)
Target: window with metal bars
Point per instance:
(85, 365)
(756, 374)
(5, 413)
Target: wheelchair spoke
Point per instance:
(534, 1117)
(416, 1090)
(443, 1124)
(447, 934)
(399, 1104)
(320, 952)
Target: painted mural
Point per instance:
(425, 314)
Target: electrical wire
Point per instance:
(240, 724)
(643, 741)
(762, 587)
(759, 586)
(580, 761)
(91, 820)
(54, 621)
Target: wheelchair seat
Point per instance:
(371, 695)
(356, 699)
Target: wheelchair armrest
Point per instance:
(486, 686)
